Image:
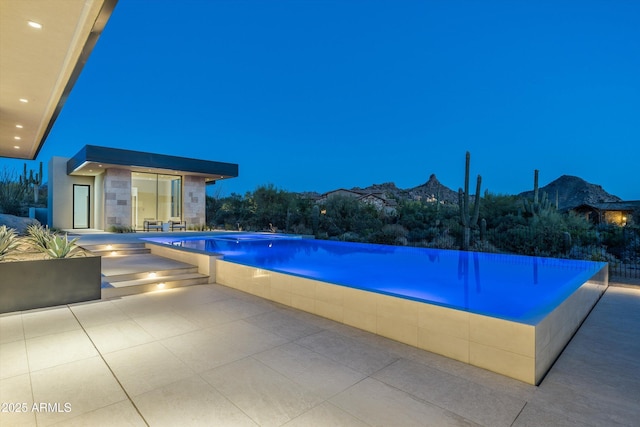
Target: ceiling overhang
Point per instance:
(39, 66)
(93, 160)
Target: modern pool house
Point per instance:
(101, 188)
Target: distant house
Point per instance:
(381, 203)
(376, 199)
(339, 192)
(619, 213)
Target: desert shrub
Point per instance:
(350, 237)
(611, 237)
(494, 207)
(444, 241)
(12, 194)
(197, 227)
(122, 229)
(301, 229)
(390, 234)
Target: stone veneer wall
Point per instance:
(194, 200)
(117, 197)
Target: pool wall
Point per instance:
(521, 351)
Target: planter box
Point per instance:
(44, 283)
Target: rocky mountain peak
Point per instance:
(572, 191)
(433, 190)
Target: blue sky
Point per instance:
(318, 95)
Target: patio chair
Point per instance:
(152, 224)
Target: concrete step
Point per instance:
(111, 252)
(117, 249)
(142, 272)
(153, 276)
(139, 286)
(116, 246)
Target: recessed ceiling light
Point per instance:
(19, 126)
(17, 138)
(24, 100)
(17, 147)
(34, 24)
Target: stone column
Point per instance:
(117, 198)
(194, 200)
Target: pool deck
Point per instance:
(210, 355)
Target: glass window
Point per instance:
(155, 197)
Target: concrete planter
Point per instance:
(44, 283)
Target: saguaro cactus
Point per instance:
(539, 205)
(467, 220)
(566, 242)
(29, 180)
(483, 230)
(315, 218)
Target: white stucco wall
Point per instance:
(60, 190)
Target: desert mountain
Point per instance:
(573, 191)
(434, 190)
(431, 190)
(388, 189)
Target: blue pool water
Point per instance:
(512, 287)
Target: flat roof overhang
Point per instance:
(93, 160)
(41, 65)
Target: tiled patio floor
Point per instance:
(208, 355)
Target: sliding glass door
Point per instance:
(155, 197)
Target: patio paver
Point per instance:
(234, 359)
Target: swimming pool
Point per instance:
(453, 294)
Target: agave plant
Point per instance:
(60, 247)
(50, 243)
(8, 241)
(39, 236)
